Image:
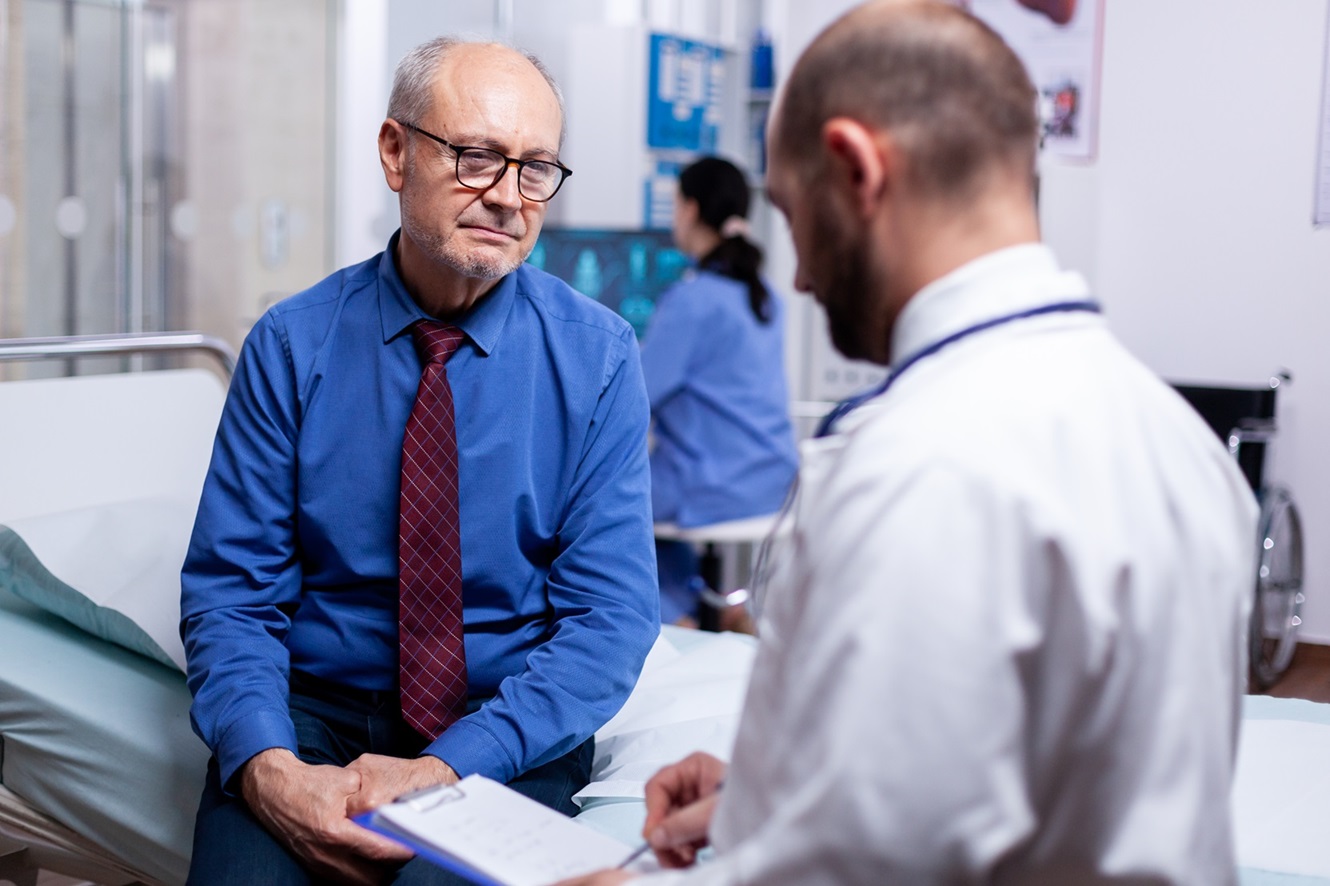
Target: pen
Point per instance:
(645, 845)
(635, 854)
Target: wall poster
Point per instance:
(1060, 42)
(686, 83)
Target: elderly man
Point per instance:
(424, 546)
(1003, 642)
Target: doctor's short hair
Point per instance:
(413, 82)
(953, 95)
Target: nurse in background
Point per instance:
(713, 358)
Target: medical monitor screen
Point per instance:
(624, 270)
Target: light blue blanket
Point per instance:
(98, 738)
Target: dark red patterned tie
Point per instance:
(429, 615)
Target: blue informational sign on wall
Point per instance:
(658, 201)
(687, 81)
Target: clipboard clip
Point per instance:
(432, 797)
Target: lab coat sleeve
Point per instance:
(241, 581)
(603, 600)
(883, 734)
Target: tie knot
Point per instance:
(436, 341)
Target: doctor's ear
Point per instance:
(862, 161)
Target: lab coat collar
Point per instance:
(483, 324)
(1008, 281)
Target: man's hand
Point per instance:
(680, 802)
(305, 808)
(384, 779)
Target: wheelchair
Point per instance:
(1244, 418)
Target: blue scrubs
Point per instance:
(724, 445)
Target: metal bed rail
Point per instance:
(13, 350)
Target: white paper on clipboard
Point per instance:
(492, 834)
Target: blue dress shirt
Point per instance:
(293, 561)
(715, 376)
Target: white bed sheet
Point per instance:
(1281, 796)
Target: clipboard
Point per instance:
(492, 835)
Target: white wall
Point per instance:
(1193, 222)
(364, 79)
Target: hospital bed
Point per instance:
(99, 770)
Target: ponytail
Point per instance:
(739, 259)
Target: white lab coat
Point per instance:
(1004, 641)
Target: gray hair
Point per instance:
(412, 98)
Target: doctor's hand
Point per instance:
(680, 802)
(384, 779)
(304, 807)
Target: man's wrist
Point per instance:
(259, 768)
(438, 770)
(245, 738)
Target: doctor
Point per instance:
(1004, 641)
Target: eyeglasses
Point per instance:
(480, 169)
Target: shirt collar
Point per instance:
(483, 324)
(1007, 281)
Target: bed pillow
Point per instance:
(112, 570)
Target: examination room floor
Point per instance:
(1308, 675)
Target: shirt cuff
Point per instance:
(470, 749)
(263, 729)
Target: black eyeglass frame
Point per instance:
(503, 170)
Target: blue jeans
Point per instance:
(335, 725)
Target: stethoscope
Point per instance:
(762, 566)
(849, 404)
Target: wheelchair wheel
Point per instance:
(1273, 631)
